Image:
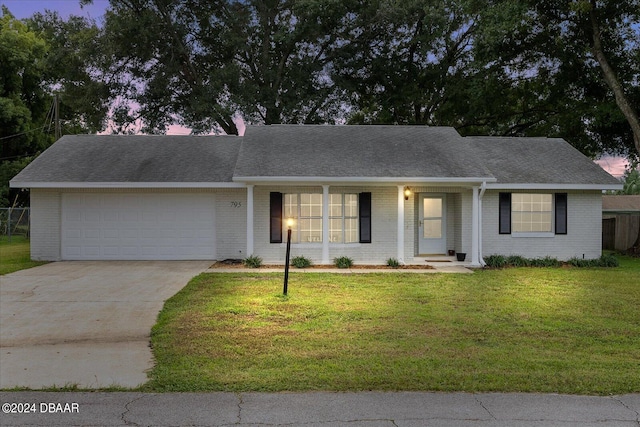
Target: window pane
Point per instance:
(351, 205)
(335, 204)
(290, 206)
(310, 230)
(335, 230)
(432, 208)
(432, 228)
(310, 205)
(351, 230)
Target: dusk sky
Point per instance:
(25, 8)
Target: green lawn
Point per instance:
(15, 255)
(563, 330)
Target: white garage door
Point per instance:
(138, 226)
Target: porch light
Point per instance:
(407, 193)
(290, 223)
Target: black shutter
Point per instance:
(561, 213)
(505, 213)
(364, 215)
(275, 228)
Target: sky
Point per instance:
(25, 8)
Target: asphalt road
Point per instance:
(321, 409)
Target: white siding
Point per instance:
(45, 225)
(584, 230)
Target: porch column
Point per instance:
(475, 227)
(249, 220)
(325, 224)
(401, 224)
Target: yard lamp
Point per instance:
(286, 264)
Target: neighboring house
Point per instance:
(367, 192)
(620, 221)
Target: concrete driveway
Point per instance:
(84, 323)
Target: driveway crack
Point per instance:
(240, 403)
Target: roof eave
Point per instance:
(351, 180)
(552, 186)
(99, 185)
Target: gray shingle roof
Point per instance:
(299, 151)
(538, 160)
(357, 151)
(135, 158)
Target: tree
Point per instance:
(199, 63)
(24, 104)
(588, 50)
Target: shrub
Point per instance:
(301, 262)
(609, 261)
(392, 262)
(545, 262)
(518, 261)
(253, 261)
(603, 261)
(496, 261)
(343, 262)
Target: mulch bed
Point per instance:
(238, 264)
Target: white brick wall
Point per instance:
(584, 230)
(45, 225)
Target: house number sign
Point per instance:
(236, 204)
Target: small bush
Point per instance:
(545, 262)
(609, 261)
(301, 262)
(392, 262)
(518, 261)
(252, 262)
(343, 262)
(603, 261)
(496, 261)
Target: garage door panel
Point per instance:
(138, 226)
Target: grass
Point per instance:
(15, 255)
(564, 330)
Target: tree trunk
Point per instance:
(612, 80)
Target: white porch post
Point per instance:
(475, 227)
(325, 224)
(249, 220)
(401, 224)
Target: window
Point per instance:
(306, 210)
(531, 213)
(343, 218)
(349, 217)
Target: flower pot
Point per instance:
(461, 256)
(451, 252)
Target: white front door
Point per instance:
(432, 225)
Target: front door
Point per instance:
(432, 224)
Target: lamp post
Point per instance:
(286, 264)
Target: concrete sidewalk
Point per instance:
(369, 409)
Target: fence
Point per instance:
(14, 222)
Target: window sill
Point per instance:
(534, 235)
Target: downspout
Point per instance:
(483, 188)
